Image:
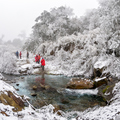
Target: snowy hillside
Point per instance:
(79, 55)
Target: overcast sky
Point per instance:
(19, 15)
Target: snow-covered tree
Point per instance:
(51, 25)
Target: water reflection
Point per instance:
(40, 80)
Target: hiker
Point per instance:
(27, 54)
(36, 58)
(17, 54)
(43, 63)
(20, 54)
(39, 58)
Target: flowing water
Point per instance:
(51, 90)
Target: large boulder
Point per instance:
(100, 81)
(117, 52)
(99, 67)
(78, 83)
(97, 72)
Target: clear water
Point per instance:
(56, 94)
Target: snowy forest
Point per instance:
(75, 45)
(87, 47)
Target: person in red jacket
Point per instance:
(20, 54)
(43, 63)
(39, 58)
(36, 58)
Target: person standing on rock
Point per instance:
(36, 58)
(39, 58)
(17, 54)
(42, 63)
(27, 54)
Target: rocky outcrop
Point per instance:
(45, 86)
(100, 81)
(69, 47)
(78, 83)
(105, 90)
(52, 52)
(117, 52)
(33, 94)
(23, 71)
(12, 100)
(34, 87)
(97, 72)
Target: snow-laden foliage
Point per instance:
(50, 25)
(78, 55)
(7, 60)
(58, 22)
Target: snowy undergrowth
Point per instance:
(87, 51)
(7, 60)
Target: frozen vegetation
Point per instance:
(71, 47)
(84, 53)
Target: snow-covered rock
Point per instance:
(108, 112)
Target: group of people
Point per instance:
(20, 54)
(39, 59)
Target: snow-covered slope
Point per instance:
(79, 55)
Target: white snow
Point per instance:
(99, 79)
(82, 91)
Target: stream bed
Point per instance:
(51, 89)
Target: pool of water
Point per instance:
(51, 89)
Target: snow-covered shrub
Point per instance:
(88, 50)
(8, 60)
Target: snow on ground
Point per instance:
(99, 79)
(10, 64)
(82, 91)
